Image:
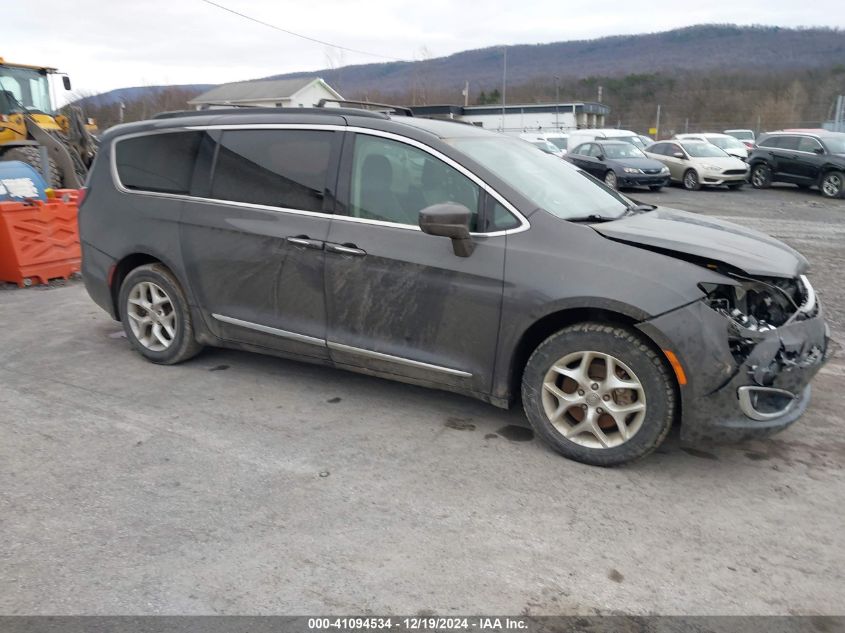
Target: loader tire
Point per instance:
(31, 155)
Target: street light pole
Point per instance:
(557, 102)
(504, 83)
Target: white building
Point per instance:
(526, 117)
(274, 93)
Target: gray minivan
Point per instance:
(443, 255)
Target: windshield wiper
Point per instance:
(592, 217)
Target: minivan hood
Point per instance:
(684, 233)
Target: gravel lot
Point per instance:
(238, 483)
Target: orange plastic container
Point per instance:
(39, 240)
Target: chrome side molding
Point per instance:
(266, 329)
(340, 347)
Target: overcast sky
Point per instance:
(105, 44)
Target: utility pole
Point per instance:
(600, 91)
(504, 83)
(839, 119)
(686, 125)
(657, 125)
(557, 101)
(466, 93)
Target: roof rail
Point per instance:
(175, 114)
(387, 107)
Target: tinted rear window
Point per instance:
(278, 168)
(161, 163)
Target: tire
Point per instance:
(611, 180)
(761, 176)
(162, 330)
(32, 156)
(634, 359)
(690, 180)
(735, 186)
(655, 188)
(832, 184)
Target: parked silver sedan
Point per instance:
(697, 163)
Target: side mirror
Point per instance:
(600, 157)
(449, 220)
(678, 155)
(66, 82)
(818, 150)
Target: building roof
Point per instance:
(511, 108)
(260, 90)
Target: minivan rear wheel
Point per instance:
(598, 394)
(156, 317)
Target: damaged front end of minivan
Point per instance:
(751, 346)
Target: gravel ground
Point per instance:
(237, 483)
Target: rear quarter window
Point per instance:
(161, 163)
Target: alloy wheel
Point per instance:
(151, 315)
(594, 399)
(690, 180)
(832, 185)
(759, 176)
(610, 179)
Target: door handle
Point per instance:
(345, 249)
(304, 240)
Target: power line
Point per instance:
(299, 35)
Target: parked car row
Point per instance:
(621, 158)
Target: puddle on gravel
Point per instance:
(516, 433)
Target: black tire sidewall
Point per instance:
(183, 341)
(634, 352)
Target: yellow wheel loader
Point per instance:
(60, 146)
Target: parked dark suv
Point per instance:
(440, 254)
(804, 159)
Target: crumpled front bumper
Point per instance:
(762, 393)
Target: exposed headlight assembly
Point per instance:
(632, 170)
(762, 304)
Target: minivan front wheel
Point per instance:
(155, 315)
(598, 394)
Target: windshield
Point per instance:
(747, 135)
(703, 150)
(559, 141)
(24, 86)
(545, 146)
(633, 140)
(622, 151)
(835, 144)
(550, 183)
(725, 142)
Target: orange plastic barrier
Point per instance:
(39, 240)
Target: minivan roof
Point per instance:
(333, 116)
